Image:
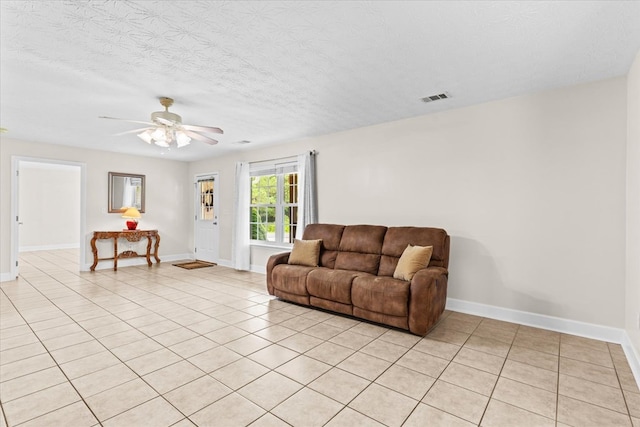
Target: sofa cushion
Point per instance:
(329, 284)
(397, 321)
(305, 252)
(330, 234)
(413, 259)
(331, 305)
(397, 238)
(381, 295)
(360, 248)
(291, 278)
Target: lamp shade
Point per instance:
(131, 212)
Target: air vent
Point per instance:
(438, 97)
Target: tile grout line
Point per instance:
(107, 349)
(558, 380)
(624, 397)
(185, 301)
(96, 339)
(57, 365)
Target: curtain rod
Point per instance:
(312, 152)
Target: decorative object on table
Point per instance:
(132, 215)
(166, 129)
(190, 265)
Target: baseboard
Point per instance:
(49, 247)
(176, 257)
(130, 262)
(225, 263)
(254, 268)
(567, 326)
(573, 327)
(258, 269)
(632, 357)
(6, 277)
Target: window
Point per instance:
(274, 202)
(205, 188)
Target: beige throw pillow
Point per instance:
(305, 252)
(413, 259)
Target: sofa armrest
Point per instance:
(428, 298)
(275, 259)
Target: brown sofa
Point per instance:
(355, 275)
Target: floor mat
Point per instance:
(190, 265)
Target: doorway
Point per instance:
(47, 207)
(207, 208)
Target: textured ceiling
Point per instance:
(271, 72)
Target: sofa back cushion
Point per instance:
(397, 238)
(330, 234)
(360, 248)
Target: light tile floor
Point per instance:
(164, 346)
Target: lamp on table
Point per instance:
(131, 214)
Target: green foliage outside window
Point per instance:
(273, 206)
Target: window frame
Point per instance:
(280, 169)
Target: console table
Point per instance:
(131, 236)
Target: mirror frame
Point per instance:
(112, 175)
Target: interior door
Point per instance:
(206, 229)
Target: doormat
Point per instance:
(190, 265)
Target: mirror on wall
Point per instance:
(125, 190)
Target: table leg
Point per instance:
(94, 249)
(149, 251)
(155, 250)
(115, 254)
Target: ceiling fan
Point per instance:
(166, 127)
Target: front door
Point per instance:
(206, 206)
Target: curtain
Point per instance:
(128, 193)
(307, 197)
(240, 245)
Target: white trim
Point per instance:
(271, 245)
(14, 271)
(632, 357)
(49, 247)
(6, 277)
(216, 203)
(256, 268)
(15, 165)
(225, 263)
(573, 327)
(567, 326)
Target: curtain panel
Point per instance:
(241, 249)
(307, 197)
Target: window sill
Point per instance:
(260, 244)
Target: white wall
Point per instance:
(49, 200)
(633, 206)
(531, 190)
(167, 194)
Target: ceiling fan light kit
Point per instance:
(163, 137)
(166, 129)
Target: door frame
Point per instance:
(15, 226)
(196, 206)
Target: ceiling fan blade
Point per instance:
(203, 128)
(199, 137)
(165, 121)
(126, 120)
(133, 131)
